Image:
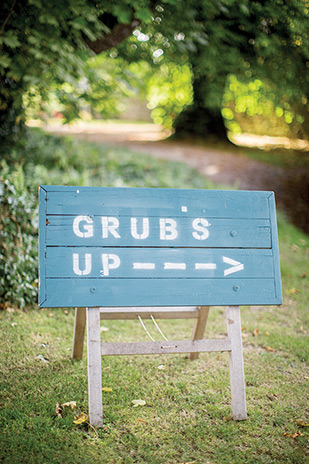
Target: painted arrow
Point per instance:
(237, 266)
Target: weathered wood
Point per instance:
(42, 245)
(155, 292)
(161, 202)
(249, 233)
(157, 247)
(206, 264)
(237, 376)
(94, 367)
(199, 328)
(168, 312)
(165, 347)
(79, 333)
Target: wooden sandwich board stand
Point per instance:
(121, 253)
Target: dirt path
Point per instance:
(219, 166)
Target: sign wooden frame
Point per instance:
(152, 252)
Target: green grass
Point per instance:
(286, 158)
(282, 157)
(187, 415)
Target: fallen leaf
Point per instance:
(295, 247)
(293, 435)
(272, 397)
(80, 419)
(107, 389)
(137, 403)
(58, 410)
(70, 404)
(161, 367)
(268, 348)
(66, 311)
(267, 334)
(302, 423)
(256, 332)
(292, 291)
(104, 329)
(303, 275)
(140, 420)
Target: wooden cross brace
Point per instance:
(96, 349)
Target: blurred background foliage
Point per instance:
(193, 63)
(252, 106)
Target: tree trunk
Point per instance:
(12, 124)
(200, 119)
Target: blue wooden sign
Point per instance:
(157, 247)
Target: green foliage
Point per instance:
(47, 46)
(253, 106)
(19, 230)
(56, 161)
(254, 41)
(170, 91)
(44, 46)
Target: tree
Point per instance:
(268, 40)
(48, 44)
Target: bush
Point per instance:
(18, 250)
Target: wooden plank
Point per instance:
(199, 327)
(42, 245)
(79, 333)
(165, 202)
(159, 292)
(146, 313)
(169, 347)
(63, 230)
(164, 263)
(275, 245)
(237, 376)
(94, 367)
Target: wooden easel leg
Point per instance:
(199, 328)
(237, 376)
(94, 367)
(79, 333)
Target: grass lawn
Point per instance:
(186, 417)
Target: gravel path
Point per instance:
(219, 166)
